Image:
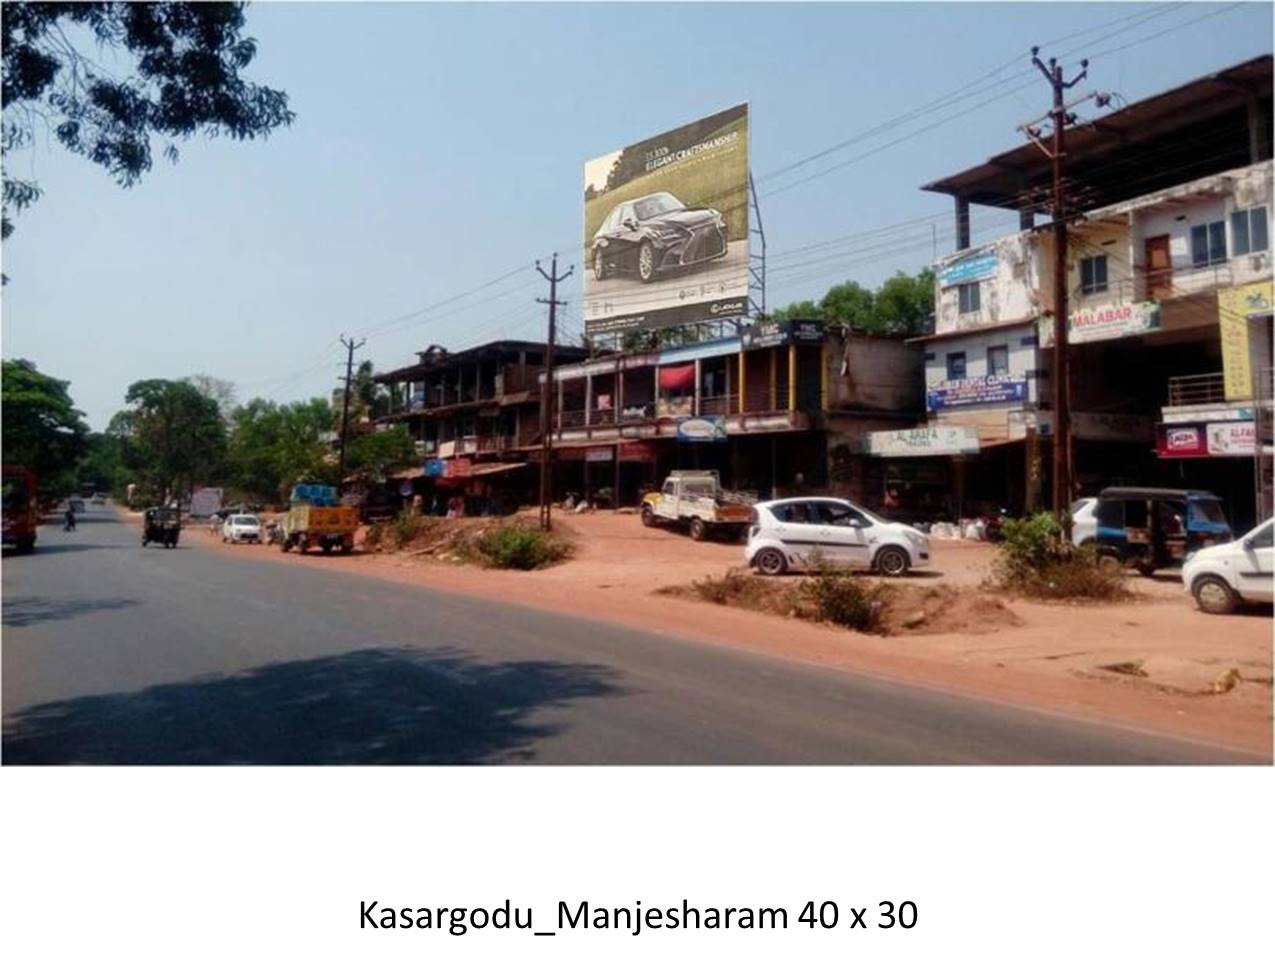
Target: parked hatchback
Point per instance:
(241, 528)
(1221, 577)
(793, 534)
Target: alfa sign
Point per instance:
(927, 440)
(985, 390)
(1202, 439)
(1231, 438)
(1104, 323)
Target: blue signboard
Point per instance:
(988, 390)
(434, 468)
(975, 267)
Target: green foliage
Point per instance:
(187, 61)
(43, 429)
(902, 305)
(1037, 560)
(378, 453)
(274, 446)
(178, 433)
(517, 545)
(838, 597)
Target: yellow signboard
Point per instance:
(1235, 306)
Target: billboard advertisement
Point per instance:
(666, 228)
(981, 390)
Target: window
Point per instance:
(837, 514)
(1093, 274)
(955, 365)
(1261, 539)
(1248, 230)
(1208, 244)
(968, 295)
(799, 513)
(998, 360)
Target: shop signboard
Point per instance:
(458, 468)
(770, 334)
(1181, 442)
(925, 440)
(1104, 323)
(1232, 438)
(973, 267)
(204, 502)
(602, 453)
(435, 468)
(707, 428)
(639, 451)
(1236, 308)
(982, 390)
(447, 449)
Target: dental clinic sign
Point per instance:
(985, 390)
(1104, 323)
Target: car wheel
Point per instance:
(648, 516)
(1144, 568)
(1213, 595)
(646, 262)
(284, 545)
(699, 530)
(1109, 562)
(893, 561)
(599, 265)
(770, 562)
(327, 548)
(144, 541)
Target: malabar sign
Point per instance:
(1104, 323)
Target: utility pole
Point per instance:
(1060, 116)
(549, 392)
(350, 345)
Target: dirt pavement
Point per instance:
(1052, 660)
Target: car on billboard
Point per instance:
(655, 233)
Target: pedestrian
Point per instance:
(70, 519)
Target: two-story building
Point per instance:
(474, 415)
(1169, 290)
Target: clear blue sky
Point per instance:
(437, 147)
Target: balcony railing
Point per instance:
(719, 404)
(1197, 389)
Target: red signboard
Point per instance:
(640, 451)
(458, 468)
(1181, 442)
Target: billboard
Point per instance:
(666, 228)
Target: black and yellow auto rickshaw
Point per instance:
(161, 524)
(1151, 529)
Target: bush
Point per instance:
(519, 546)
(838, 597)
(398, 532)
(1037, 560)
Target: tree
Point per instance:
(43, 429)
(186, 77)
(851, 304)
(220, 390)
(378, 453)
(902, 305)
(178, 432)
(806, 310)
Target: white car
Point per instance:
(1084, 524)
(1221, 577)
(241, 528)
(792, 534)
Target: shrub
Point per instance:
(1037, 560)
(838, 597)
(374, 536)
(736, 587)
(519, 546)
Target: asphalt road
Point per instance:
(117, 654)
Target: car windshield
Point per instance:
(243, 520)
(1079, 504)
(655, 205)
(1206, 510)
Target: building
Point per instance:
(475, 416)
(774, 409)
(1169, 281)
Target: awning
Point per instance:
(406, 474)
(677, 378)
(492, 468)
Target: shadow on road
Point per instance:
(45, 548)
(378, 706)
(29, 610)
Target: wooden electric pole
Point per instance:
(1060, 116)
(350, 345)
(548, 393)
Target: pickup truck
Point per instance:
(315, 518)
(697, 500)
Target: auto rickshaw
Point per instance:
(1150, 529)
(161, 524)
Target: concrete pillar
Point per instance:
(823, 376)
(774, 380)
(588, 399)
(697, 391)
(742, 367)
(962, 224)
(792, 376)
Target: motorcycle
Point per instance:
(992, 524)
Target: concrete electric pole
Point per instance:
(350, 345)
